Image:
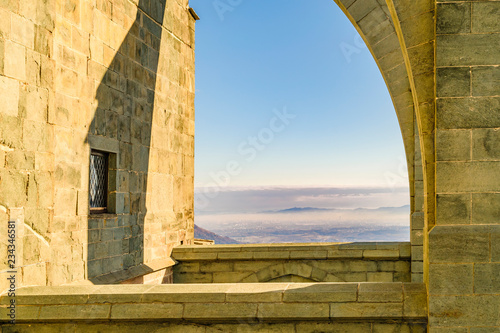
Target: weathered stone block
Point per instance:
(459, 244)
(5, 25)
(308, 254)
(453, 82)
(386, 254)
(485, 17)
(294, 310)
(453, 145)
(467, 176)
(94, 268)
(91, 311)
(22, 31)
(368, 266)
(371, 310)
(251, 266)
(487, 278)
(10, 100)
(464, 113)
(193, 278)
(375, 26)
(415, 300)
(417, 237)
(495, 243)
(449, 279)
(255, 293)
(327, 292)
(464, 310)
(417, 220)
(419, 29)
(453, 18)
(380, 292)
(334, 327)
(146, 311)
(484, 144)
(26, 312)
(484, 330)
(467, 49)
(387, 46)
(216, 266)
(20, 160)
(403, 266)
(486, 80)
(229, 277)
(485, 208)
(219, 310)
(453, 209)
(417, 267)
(449, 330)
(243, 326)
(344, 253)
(422, 56)
(399, 328)
(379, 277)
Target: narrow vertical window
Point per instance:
(98, 192)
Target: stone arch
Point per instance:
(293, 271)
(400, 36)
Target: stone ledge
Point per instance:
(221, 302)
(316, 251)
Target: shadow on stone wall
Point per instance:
(122, 126)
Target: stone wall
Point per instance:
(276, 307)
(350, 262)
(111, 75)
(464, 250)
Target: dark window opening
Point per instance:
(98, 192)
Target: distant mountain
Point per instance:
(402, 209)
(314, 209)
(299, 210)
(201, 233)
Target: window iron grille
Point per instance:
(98, 192)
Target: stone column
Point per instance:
(464, 245)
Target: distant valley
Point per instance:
(200, 233)
(308, 224)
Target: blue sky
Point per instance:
(257, 59)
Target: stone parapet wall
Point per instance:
(348, 262)
(306, 307)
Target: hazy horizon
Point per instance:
(266, 214)
(233, 199)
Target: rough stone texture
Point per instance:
(369, 307)
(350, 262)
(463, 251)
(116, 76)
(243, 326)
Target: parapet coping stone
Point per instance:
(263, 302)
(316, 251)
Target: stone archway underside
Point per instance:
(400, 35)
